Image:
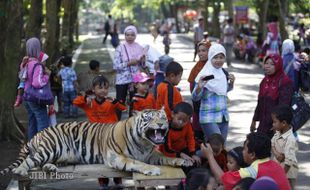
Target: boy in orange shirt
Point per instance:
(167, 94)
(100, 108)
(180, 140)
(143, 99)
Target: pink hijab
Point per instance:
(134, 50)
(273, 28)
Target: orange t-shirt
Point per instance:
(140, 103)
(178, 140)
(101, 112)
(167, 96)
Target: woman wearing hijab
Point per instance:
(276, 88)
(213, 113)
(273, 39)
(290, 65)
(37, 114)
(203, 48)
(128, 58)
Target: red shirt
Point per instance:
(221, 160)
(262, 167)
(101, 112)
(179, 140)
(167, 96)
(140, 103)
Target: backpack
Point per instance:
(304, 77)
(115, 40)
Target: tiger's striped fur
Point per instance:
(127, 145)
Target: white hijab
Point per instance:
(288, 47)
(217, 85)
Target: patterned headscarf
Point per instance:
(270, 84)
(200, 64)
(33, 47)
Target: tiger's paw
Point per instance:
(20, 171)
(183, 162)
(151, 170)
(49, 168)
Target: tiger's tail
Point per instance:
(24, 152)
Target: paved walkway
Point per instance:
(241, 105)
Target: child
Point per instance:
(143, 99)
(283, 143)
(56, 85)
(244, 184)
(22, 75)
(235, 159)
(180, 140)
(101, 109)
(167, 94)
(216, 142)
(198, 179)
(160, 68)
(69, 86)
(166, 41)
(213, 112)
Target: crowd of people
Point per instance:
(198, 130)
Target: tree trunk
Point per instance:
(9, 67)
(35, 19)
(229, 7)
(2, 32)
(73, 17)
(76, 21)
(206, 14)
(164, 10)
(174, 11)
(282, 16)
(52, 26)
(216, 31)
(262, 12)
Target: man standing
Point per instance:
(108, 28)
(198, 34)
(229, 39)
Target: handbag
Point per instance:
(301, 111)
(40, 96)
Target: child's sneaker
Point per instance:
(18, 101)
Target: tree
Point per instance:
(35, 20)
(69, 22)
(52, 27)
(10, 57)
(282, 15)
(215, 29)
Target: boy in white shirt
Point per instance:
(283, 143)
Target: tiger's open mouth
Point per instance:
(157, 136)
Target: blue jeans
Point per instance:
(37, 118)
(68, 98)
(219, 128)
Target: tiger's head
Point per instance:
(152, 125)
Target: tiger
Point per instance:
(128, 145)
